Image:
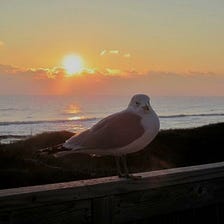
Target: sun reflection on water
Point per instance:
(73, 109)
(77, 118)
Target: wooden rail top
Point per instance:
(101, 187)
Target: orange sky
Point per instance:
(162, 48)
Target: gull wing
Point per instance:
(114, 131)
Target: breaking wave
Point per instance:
(8, 109)
(81, 119)
(192, 115)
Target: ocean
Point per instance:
(22, 116)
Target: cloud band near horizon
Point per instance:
(15, 80)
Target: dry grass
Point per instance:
(20, 166)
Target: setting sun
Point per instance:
(73, 64)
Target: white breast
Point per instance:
(150, 122)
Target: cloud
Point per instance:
(47, 73)
(9, 69)
(127, 55)
(1, 43)
(103, 52)
(111, 71)
(109, 52)
(37, 73)
(16, 80)
(113, 51)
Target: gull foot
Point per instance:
(130, 176)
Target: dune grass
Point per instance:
(20, 165)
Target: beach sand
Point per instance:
(20, 166)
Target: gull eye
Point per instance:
(137, 103)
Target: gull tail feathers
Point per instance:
(64, 153)
(57, 150)
(68, 151)
(52, 150)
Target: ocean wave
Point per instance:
(8, 109)
(14, 136)
(192, 115)
(81, 119)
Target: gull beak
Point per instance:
(146, 107)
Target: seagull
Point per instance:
(119, 134)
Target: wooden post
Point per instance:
(102, 210)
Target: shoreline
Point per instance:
(13, 138)
(19, 166)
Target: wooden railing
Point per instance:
(178, 195)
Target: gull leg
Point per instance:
(124, 162)
(90, 166)
(118, 165)
(127, 175)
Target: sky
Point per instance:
(156, 47)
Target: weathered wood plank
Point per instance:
(158, 177)
(101, 187)
(79, 211)
(115, 200)
(61, 213)
(194, 215)
(144, 204)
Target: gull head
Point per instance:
(140, 103)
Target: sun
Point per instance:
(73, 64)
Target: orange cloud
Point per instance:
(16, 80)
(47, 73)
(111, 71)
(103, 52)
(37, 73)
(108, 52)
(1, 43)
(9, 69)
(126, 55)
(113, 51)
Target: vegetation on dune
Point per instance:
(21, 166)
